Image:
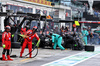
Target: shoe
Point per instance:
(8, 56)
(30, 56)
(3, 58)
(21, 55)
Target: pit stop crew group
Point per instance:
(28, 37)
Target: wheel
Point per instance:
(42, 44)
(0, 37)
(15, 44)
(0, 44)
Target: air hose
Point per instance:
(35, 46)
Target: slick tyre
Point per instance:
(15, 44)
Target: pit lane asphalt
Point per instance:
(45, 60)
(47, 55)
(43, 53)
(94, 61)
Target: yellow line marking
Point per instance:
(25, 59)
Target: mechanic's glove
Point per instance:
(38, 43)
(3, 45)
(32, 43)
(12, 35)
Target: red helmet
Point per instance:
(29, 33)
(35, 27)
(7, 27)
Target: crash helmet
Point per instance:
(7, 27)
(29, 33)
(35, 27)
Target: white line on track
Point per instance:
(61, 59)
(71, 56)
(85, 59)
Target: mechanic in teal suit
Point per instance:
(56, 40)
(85, 34)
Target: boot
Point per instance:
(20, 54)
(30, 56)
(8, 56)
(3, 58)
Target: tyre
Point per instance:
(0, 37)
(15, 44)
(89, 48)
(0, 44)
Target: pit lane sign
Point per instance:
(43, 2)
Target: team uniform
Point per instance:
(23, 30)
(85, 34)
(57, 40)
(6, 42)
(28, 41)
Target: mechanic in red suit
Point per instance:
(6, 43)
(30, 34)
(23, 30)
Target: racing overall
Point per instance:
(6, 40)
(85, 34)
(23, 30)
(57, 40)
(28, 41)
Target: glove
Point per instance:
(38, 43)
(4, 45)
(12, 35)
(33, 43)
